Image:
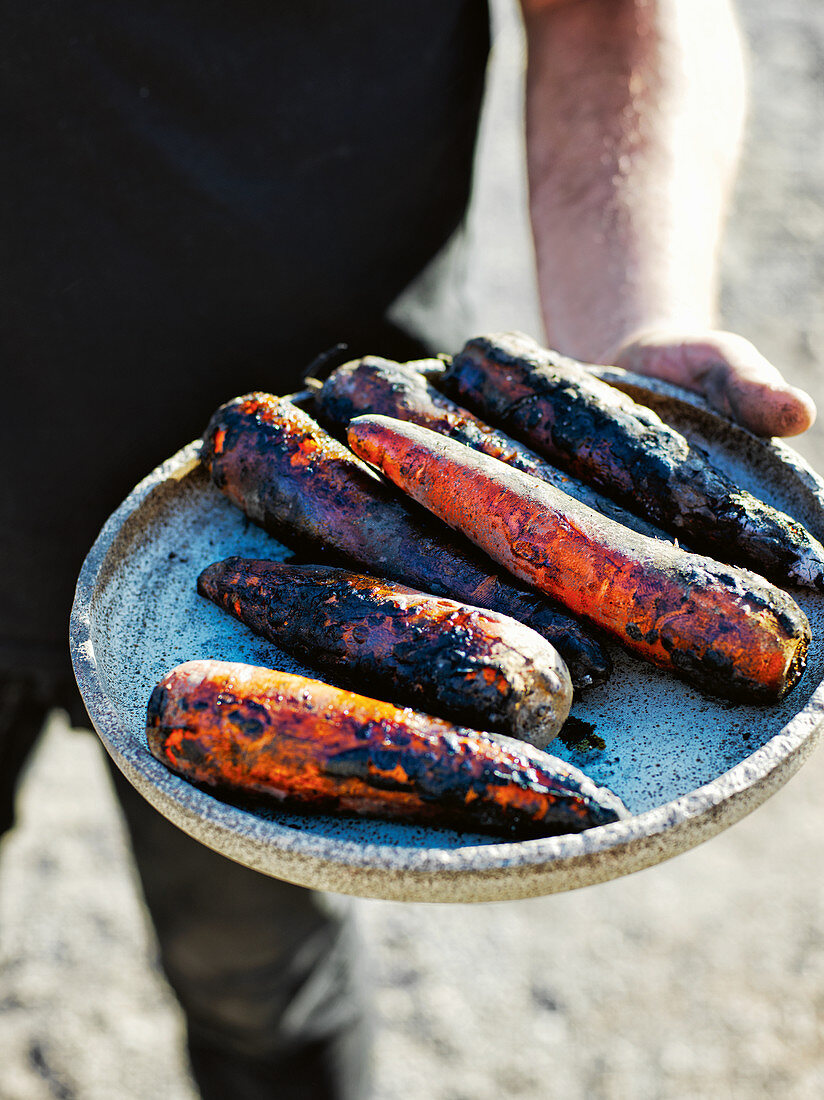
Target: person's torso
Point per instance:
(197, 198)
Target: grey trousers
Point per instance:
(268, 974)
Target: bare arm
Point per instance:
(634, 116)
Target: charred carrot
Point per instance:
(376, 385)
(269, 736)
(597, 433)
(726, 630)
(465, 663)
(289, 475)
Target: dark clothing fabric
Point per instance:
(25, 702)
(197, 198)
(269, 975)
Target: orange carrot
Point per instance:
(462, 662)
(271, 737)
(726, 630)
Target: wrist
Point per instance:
(595, 337)
(673, 330)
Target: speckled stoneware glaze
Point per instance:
(686, 765)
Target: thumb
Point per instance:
(729, 371)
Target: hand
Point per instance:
(728, 370)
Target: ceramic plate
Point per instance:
(686, 765)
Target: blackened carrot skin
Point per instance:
(262, 735)
(724, 629)
(444, 657)
(290, 476)
(621, 448)
(376, 385)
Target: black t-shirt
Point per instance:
(197, 198)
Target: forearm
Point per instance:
(634, 115)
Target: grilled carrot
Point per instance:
(726, 630)
(594, 431)
(376, 385)
(447, 658)
(268, 736)
(289, 475)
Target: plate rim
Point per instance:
(496, 871)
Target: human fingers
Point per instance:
(729, 371)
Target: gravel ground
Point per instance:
(700, 978)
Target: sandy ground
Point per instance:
(700, 978)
